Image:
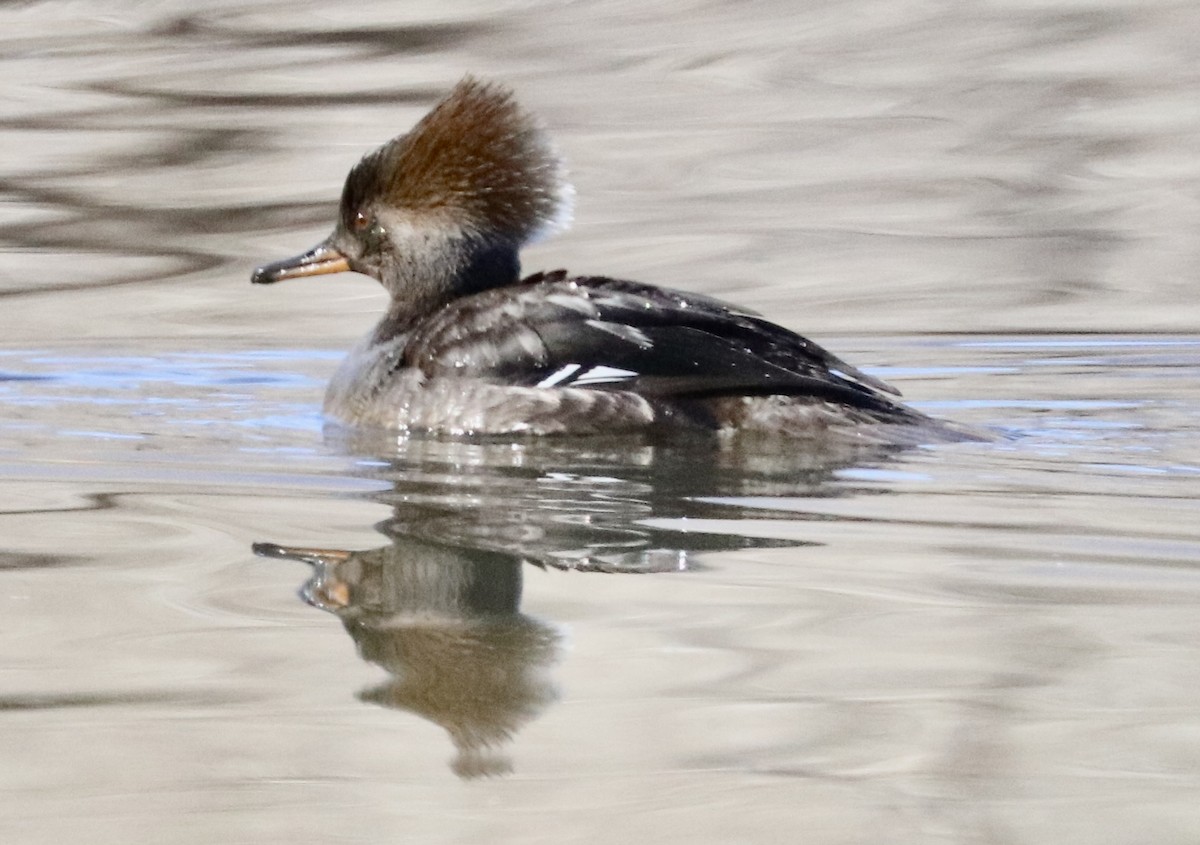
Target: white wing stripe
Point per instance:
(598, 374)
(561, 374)
(602, 374)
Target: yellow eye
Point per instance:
(360, 221)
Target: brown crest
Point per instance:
(476, 156)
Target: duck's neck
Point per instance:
(427, 287)
(487, 266)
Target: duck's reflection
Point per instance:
(445, 623)
(438, 606)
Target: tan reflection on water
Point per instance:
(446, 625)
(438, 607)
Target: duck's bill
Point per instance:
(319, 260)
(305, 554)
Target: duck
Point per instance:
(467, 346)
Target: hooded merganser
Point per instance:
(439, 215)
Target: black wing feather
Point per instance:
(622, 301)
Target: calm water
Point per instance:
(224, 623)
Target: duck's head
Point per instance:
(443, 210)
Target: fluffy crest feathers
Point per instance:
(478, 158)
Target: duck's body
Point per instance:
(467, 347)
(555, 354)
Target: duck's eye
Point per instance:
(360, 222)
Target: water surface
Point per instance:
(225, 622)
